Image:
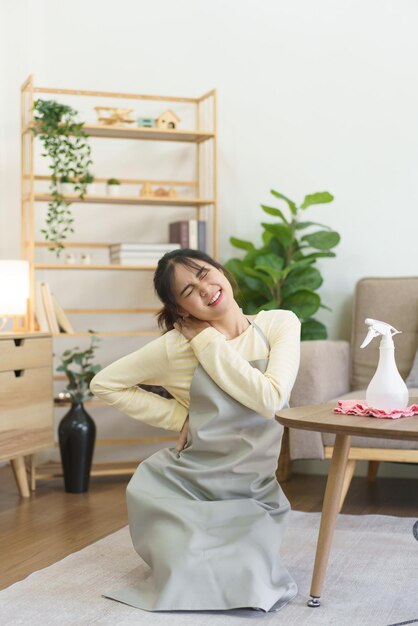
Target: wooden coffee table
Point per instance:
(321, 418)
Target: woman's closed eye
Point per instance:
(190, 288)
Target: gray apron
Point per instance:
(209, 520)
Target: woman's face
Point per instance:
(202, 292)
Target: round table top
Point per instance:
(321, 418)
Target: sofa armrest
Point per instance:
(324, 373)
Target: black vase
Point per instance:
(76, 434)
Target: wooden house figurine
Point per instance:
(167, 120)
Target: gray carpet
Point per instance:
(372, 580)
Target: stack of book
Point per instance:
(146, 254)
(49, 314)
(189, 234)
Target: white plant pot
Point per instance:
(67, 189)
(91, 189)
(112, 190)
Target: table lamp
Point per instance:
(14, 289)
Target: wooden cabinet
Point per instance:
(26, 399)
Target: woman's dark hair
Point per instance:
(163, 281)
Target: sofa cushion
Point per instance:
(412, 380)
(392, 300)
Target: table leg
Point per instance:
(19, 470)
(329, 514)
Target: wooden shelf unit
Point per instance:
(201, 189)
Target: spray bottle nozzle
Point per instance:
(377, 328)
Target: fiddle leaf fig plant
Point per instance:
(65, 143)
(281, 272)
(79, 368)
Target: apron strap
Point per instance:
(260, 332)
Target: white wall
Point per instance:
(312, 96)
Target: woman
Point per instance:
(207, 516)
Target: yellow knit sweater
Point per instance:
(170, 361)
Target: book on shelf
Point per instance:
(144, 248)
(61, 316)
(40, 312)
(50, 315)
(189, 234)
(49, 308)
(133, 260)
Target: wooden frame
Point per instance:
(204, 184)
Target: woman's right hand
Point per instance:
(182, 440)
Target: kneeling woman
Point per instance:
(208, 516)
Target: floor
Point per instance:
(51, 524)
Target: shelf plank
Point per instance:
(134, 200)
(121, 131)
(112, 333)
(154, 134)
(92, 266)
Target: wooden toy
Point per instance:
(146, 190)
(114, 115)
(146, 122)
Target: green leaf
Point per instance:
(274, 274)
(321, 197)
(241, 243)
(323, 239)
(282, 233)
(300, 225)
(273, 211)
(268, 306)
(271, 260)
(301, 278)
(312, 329)
(312, 257)
(304, 303)
(263, 278)
(235, 266)
(292, 206)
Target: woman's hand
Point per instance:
(182, 440)
(189, 327)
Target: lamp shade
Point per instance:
(14, 287)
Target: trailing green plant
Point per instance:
(280, 274)
(65, 143)
(78, 366)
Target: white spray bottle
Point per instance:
(387, 389)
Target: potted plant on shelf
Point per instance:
(66, 144)
(112, 187)
(87, 183)
(66, 186)
(77, 430)
(280, 274)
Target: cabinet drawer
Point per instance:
(25, 353)
(26, 401)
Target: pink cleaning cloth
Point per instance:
(357, 407)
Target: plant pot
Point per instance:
(76, 434)
(112, 190)
(66, 189)
(91, 189)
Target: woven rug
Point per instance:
(372, 580)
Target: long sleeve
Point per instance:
(117, 384)
(264, 393)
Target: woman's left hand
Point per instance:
(189, 327)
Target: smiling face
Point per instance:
(202, 291)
